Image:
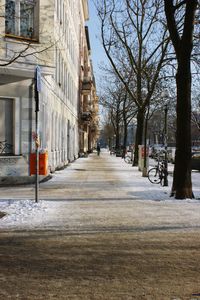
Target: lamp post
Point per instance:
(166, 158)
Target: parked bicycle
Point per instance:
(5, 148)
(158, 173)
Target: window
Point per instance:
(6, 126)
(20, 18)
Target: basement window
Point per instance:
(20, 18)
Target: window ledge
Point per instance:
(21, 38)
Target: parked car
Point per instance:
(195, 162)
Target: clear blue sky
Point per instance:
(98, 55)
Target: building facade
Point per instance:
(88, 107)
(48, 34)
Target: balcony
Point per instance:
(94, 128)
(86, 116)
(86, 85)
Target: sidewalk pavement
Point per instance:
(98, 177)
(96, 182)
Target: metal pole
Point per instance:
(166, 156)
(37, 160)
(36, 139)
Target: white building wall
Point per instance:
(59, 31)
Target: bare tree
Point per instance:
(121, 109)
(180, 20)
(134, 34)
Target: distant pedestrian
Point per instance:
(124, 151)
(98, 149)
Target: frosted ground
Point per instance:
(100, 231)
(78, 195)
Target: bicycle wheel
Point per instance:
(154, 175)
(127, 159)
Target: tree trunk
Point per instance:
(183, 45)
(124, 139)
(182, 184)
(139, 134)
(117, 138)
(117, 122)
(144, 171)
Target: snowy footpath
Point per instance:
(103, 191)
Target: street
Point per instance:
(102, 232)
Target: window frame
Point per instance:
(17, 23)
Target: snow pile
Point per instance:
(20, 212)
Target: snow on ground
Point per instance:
(28, 214)
(21, 212)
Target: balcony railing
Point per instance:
(86, 85)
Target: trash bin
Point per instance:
(43, 163)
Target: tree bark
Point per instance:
(139, 135)
(117, 141)
(183, 45)
(182, 184)
(124, 139)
